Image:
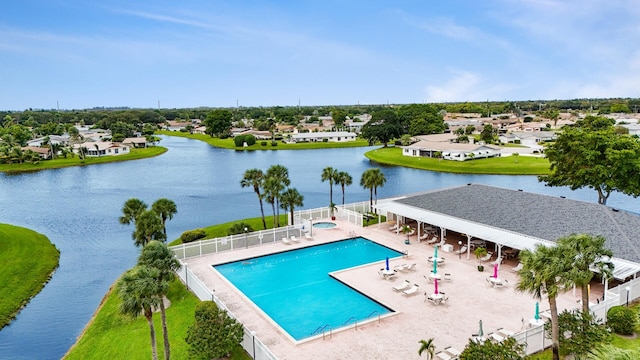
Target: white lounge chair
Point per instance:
(517, 267)
(433, 240)
(453, 351)
(294, 238)
(443, 356)
(410, 267)
(308, 236)
(394, 227)
(413, 290)
(400, 267)
(424, 236)
(462, 250)
(497, 261)
(286, 241)
(487, 257)
(406, 285)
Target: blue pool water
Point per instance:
(294, 288)
(324, 225)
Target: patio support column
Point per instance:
(469, 246)
(419, 226)
(499, 253)
(606, 287)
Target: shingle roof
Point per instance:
(540, 216)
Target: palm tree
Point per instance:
(272, 190)
(158, 256)
(138, 290)
(372, 179)
(290, 199)
(132, 209)
(148, 227)
(545, 272)
(166, 209)
(344, 179)
(280, 177)
(588, 253)
(427, 346)
(329, 174)
(255, 179)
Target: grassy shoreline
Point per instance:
(505, 165)
(229, 144)
(135, 154)
(28, 261)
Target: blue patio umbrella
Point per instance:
(537, 315)
(387, 263)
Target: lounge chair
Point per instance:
(411, 232)
(517, 267)
(504, 332)
(487, 257)
(443, 356)
(410, 267)
(453, 351)
(424, 236)
(441, 243)
(294, 238)
(462, 250)
(433, 240)
(406, 285)
(496, 337)
(400, 267)
(497, 261)
(394, 227)
(308, 236)
(413, 290)
(286, 241)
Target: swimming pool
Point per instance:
(324, 225)
(295, 289)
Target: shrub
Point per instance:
(325, 140)
(238, 228)
(249, 139)
(214, 334)
(274, 143)
(239, 140)
(263, 143)
(192, 235)
(622, 320)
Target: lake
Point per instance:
(77, 208)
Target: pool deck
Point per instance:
(471, 299)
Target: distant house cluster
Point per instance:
(444, 146)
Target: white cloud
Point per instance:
(467, 86)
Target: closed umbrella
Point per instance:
(435, 281)
(495, 271)
(387, 262)
(480, 333)
(537, 315)
(435, 253)
(435, 266)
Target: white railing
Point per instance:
(250, 342)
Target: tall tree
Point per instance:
(383, 126)
(158, 256)
(165, 208)
(329, 174)
(590, 154)
(218, 122)
(138, 289)
(272, 190)
(587, 253)
(279, 175)
(290, 199)
(148, 227)
(344, 179)
(372, 179)
(254, 178)
(131, 210)
(544, 272)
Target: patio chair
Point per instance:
(517, 267)
(294, 238)
(497, 261)
(441, 355)
(504, 332)
(394, 227)
(453, 351)
(406, 285)
(412, 291)
(286, 241)
(424, 236)
(441, 243)
(447, 276)
(400, 267)
(410, 267)
(308, 236)
(496, 337)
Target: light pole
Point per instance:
(628, 290)
(246, 243)
(459, 249)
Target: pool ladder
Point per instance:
(324, 330)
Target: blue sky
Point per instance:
(81, 54)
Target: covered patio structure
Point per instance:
(518, 220)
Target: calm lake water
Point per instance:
(78, 209)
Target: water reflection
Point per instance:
(78, 209)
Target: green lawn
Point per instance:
(113, 336)
(76, 161)
(27, 261)
(220, 230)
(506, 165)
(229, 144)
